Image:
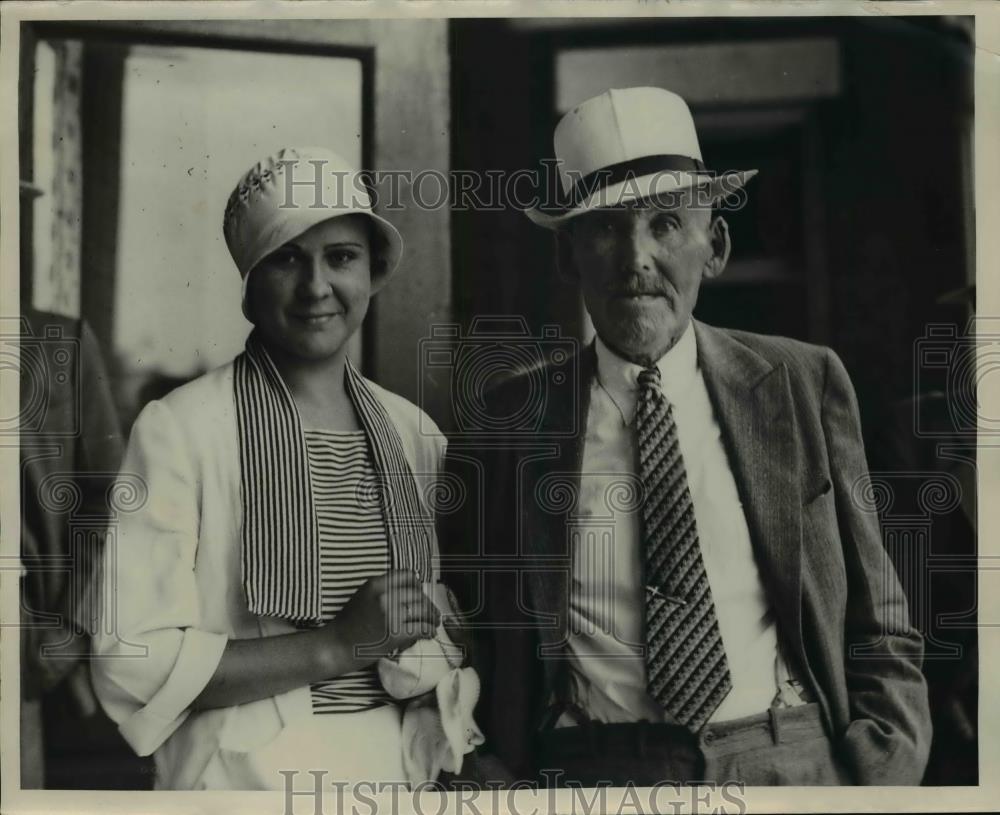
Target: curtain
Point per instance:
(58, 171)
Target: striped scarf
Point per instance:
(281, 569)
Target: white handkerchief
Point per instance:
(437, 736)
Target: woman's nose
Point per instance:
(313, 283)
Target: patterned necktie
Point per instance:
(688, 673)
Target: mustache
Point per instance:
(635, 287)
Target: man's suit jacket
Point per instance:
(790, 423)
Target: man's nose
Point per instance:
(636, 251)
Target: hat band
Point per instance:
(633, 168)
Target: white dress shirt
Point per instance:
(607, 611)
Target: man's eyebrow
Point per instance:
(664, 205)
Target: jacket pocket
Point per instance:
(821, 489)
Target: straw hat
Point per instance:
(627, 145)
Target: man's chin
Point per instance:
(643, 339)
(648, 315)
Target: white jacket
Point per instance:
(173, 584)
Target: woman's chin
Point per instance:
(313, 346)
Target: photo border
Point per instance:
(779, 799)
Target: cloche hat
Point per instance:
(291, 191)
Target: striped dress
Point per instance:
(353, 548)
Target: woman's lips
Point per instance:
(315, 319)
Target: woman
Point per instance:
(282, 543)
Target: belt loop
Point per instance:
(772, 714)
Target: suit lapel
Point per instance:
(544, 532)
(753, 406)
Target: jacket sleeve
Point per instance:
(151, 657)
(888, 739)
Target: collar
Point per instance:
(620, 378)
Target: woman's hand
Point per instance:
(388, 613)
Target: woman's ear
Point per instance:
(718, 235)
(378, 271)
(248, 298)
(378, 248)
(565, 262)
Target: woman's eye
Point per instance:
(284, 258)
(340, 257)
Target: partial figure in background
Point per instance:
(281, 578)
(70, 451)
(930, 441)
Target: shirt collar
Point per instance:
(619, 377)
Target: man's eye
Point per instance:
(604, 228)
(664, 223)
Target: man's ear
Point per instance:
(565, 262)
(718, 234)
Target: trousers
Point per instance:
(780, 747)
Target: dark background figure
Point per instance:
(931, 468)
(71, 448)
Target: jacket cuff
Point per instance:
(150, 726)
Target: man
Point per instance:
(70, 451)
(680, 579)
